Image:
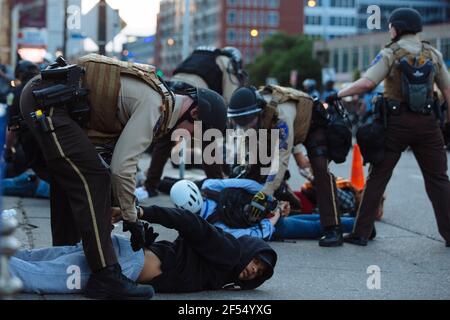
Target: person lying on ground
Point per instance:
(203, 257)
(225, 203)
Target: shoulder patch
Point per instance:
(284, 134)
(376, 60)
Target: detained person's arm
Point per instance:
(220, 184)
(210, 242)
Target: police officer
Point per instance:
(220, 70)
(21, 150)
(299, 121)
(410, 119)
(129, 105)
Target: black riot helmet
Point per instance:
(26, 70)
(236, 65)
(245, 104)
(406, 21)
(212, 109)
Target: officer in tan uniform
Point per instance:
(411, 120)
(220, 70)
(129, 106)
(294, 114)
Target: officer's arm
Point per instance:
(443, 81)
(359, 87)
(134, 140)
(280, 160)
(378, 70)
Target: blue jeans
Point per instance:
(51, 270)
(306, 226)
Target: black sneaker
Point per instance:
(110, 284)
(354, 239)
(332, 237)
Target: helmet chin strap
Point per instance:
(186, 116)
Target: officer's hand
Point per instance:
(150, 235)
(116, 215)
(137, 231)
(447, 133)
(332, 98)
(258, 207)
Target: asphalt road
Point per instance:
(409, 253)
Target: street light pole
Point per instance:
(102, 27)
(186, 28)
(66, 4)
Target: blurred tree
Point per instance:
(281, 54)
(356, 74)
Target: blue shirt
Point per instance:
(264, 231)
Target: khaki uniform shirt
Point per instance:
(230, 82)
(139, 110)
(381, 66)
(286, 115)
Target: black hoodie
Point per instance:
(203, 257)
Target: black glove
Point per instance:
(150, 235)
(9, 155)
(447, 133)
(332, 98)
(258, 207)
(137, 231)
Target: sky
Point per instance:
(140, 16)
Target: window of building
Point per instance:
(313, 20)
(231, 36)
(345, 57)
(231, 17)
(273, 3)
(232, 3)
(366, 57)
(273, 19)
(335, 59)
(343, 3)
(445, 49)
(355, 58)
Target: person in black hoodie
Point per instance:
(203, 257)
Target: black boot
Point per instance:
(447, 244)
(373, 235)
(354, 239)
(110, 284)
(332, 237)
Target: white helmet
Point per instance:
(186, 195)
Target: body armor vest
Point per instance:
(393, 82)
(102, 78)
(203, 64)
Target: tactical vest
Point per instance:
(203, 64)
(102, 78)
(304, 106)
(393, 82)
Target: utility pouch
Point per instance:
(394, 107)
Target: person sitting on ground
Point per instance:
(225, 203)
(203, 257)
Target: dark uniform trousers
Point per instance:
(80, 184)
(161, 153)
(324, 181)
(423, 135)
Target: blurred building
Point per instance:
(38, 31)
(328, 19)
(244, 24)
(140, 50)
(346, 55)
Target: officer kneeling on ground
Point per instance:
(112, 106)
(299, 119)
(409, 69)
